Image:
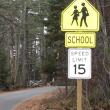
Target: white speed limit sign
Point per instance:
(79, 63)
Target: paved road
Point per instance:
(9, 100)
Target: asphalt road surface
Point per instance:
(9, 100)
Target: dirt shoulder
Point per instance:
(37, 103)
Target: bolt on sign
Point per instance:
(80, 39)
(80, 15)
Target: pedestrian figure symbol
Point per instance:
(84, 15)
(78, 16)
(76, 13)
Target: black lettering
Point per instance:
(86, 39)
(82, 39)
(73, 39)
(91, 41)
(69, 39)
(77, 39)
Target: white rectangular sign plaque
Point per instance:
(79, 63)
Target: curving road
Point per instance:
(9, 100)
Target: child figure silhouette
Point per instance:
(84, 15)
(75, 15)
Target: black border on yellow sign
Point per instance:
(80, 46)
(92, 30)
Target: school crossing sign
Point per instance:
(80, 21)
(80, 15)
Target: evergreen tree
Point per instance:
(54, 37)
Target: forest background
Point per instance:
(32, 44)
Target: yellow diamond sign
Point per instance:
(80, 15)
(80, 39)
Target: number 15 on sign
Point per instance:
(79, 63)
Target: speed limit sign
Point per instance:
(79, 63)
